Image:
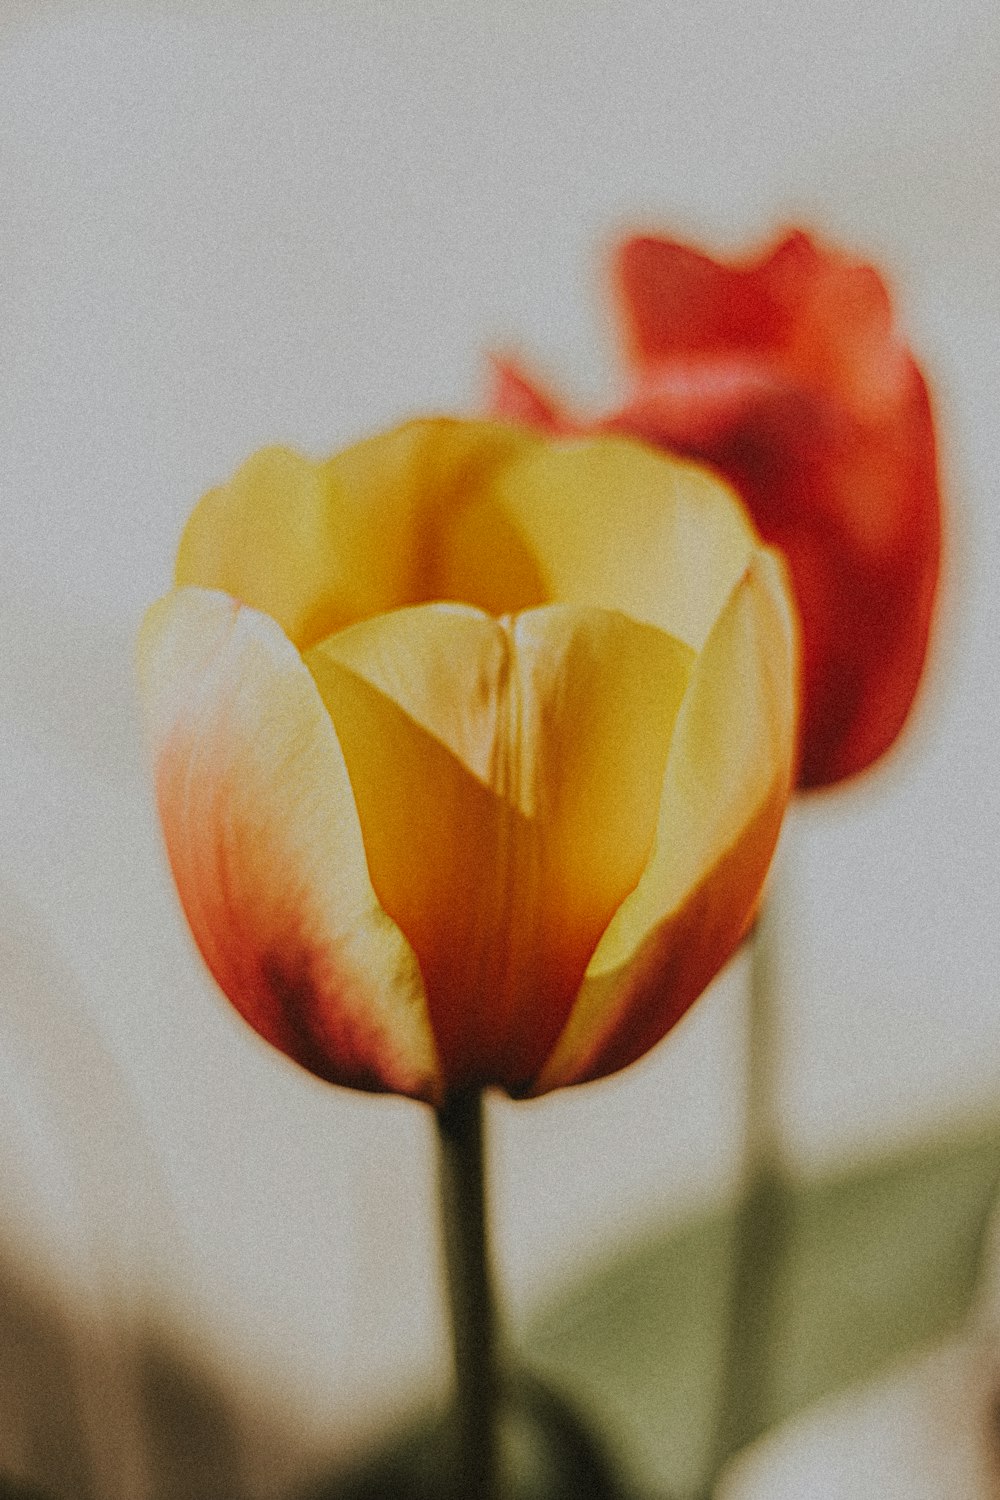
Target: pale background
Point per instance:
(223, 225)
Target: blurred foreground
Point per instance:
(106, 1393)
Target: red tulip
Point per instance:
(787, 375)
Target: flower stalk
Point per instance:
(762, 1227)
(470, 1293)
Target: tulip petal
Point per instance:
(263, 838)
(836, 325)
(726, 784)
(677, 301)
(814, 315)
(397, 519)
(616, 525)
(516, 397)
(507, 776)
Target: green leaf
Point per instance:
(878, 1261)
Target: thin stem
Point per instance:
(763, 1221)
(762, 1131)
(473, 1318)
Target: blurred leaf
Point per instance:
(880, 1260)
(548, 1455)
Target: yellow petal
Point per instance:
(486, 514)
(400, 518)
(727, 780)
(263, 837)
(507, 776)
(614, 523)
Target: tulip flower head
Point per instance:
(467, 776)
(787, 376)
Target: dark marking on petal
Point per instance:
(304, 1020)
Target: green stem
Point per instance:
(763, 1136)
(763, 1221)
(473, 1317)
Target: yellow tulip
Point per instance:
(469, 776)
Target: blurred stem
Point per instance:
(473, 1318)
(763, 1220)
(763, 1135)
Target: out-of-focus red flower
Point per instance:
(787, 375)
